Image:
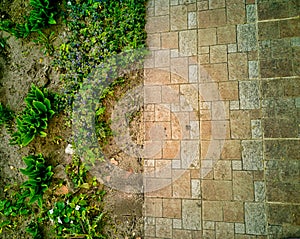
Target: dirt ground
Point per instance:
(24, 64)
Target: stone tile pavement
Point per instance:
(222, 119)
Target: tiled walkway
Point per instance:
(222, 119)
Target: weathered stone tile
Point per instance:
(232, 48)
(272, 88)
(216, 190)
(277, 9)
(282, 149)
(259, 191)
(178, 18)
(212, 18)
(243, 186)
(179, 67)
(209, 225)
(191, 214)
(224, 230)
(289, 28)
(255, 218)
(209, 91)
(281, 48)
(161, 8)
(279, 214)
(189, 153)
(251, 13)
(196, 190)
(256, 129)
(162, 58)
(178, 234)
(220, 110)
(253, 69)
(213, 72)
(153, 207)
(240, 124)
(222, 170)
(171, 208)
(207, 36)
(237, 165)
(276, 68)
(170, 94)
(234, 105)
(203, 5)
(169, 40)
(212, 211)
(177, 223)
(229, 90)
(268, 30)
(164, 227)
(252, 155)
(195, 129)
(237, 66)
(233, 211)
(152, 94)
(218, 54)
(163, 168)
(188, 42)
(226, 34)
(236, 13)
(153, 41)
(157, 24)
(249, 94)
(192, 20)
(207, 234)
(246, 37)
(181, 185)
(193, 73)
(239, 228)
(216, 4)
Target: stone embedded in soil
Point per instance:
(69, 149)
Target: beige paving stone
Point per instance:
(243, 186)
(158, 183)
(154, 76)
(157, 24)
(192, 19)
(148, 116)
(181, 184)
(153, 41)
(213, 72)
(157, 131)
(224, 230)
(152, 94)
(179, 234)
(163, 168)
(218, 54)
(233, 211)
(237, 66)
(205, 130)
(209, 225)
(212, 211)
(226, 34)
(189, 153)
(164, 228)
(188, 42)
(169, 40)
(171, 149)
(240, 125)
(178, 18)
(208, 234)
(231, 149)
(162, 112)
(171, 208)
(216, 190)
(220, 130)
(202, 5)
(210, 150)
(161, 7)
(207, 36)
(191, 214)
(229, 90)
(204, 58)
(236, 13)
(162, 58)
(216, 4)
(204, 50)
(153, 207)
(190, 93)
(170, 94)
(179, 66)
(222, 170)
(212, 18)
(220, 110)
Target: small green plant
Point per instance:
(77, 171)
(34, 230)
(34, 119)
(39, 177)
(6, 115)
(46, 42)
(80, 216)
(40, 16)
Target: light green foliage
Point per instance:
(39, 177)
(46, 42)
(77, 171)
(80, 216)
(34, 119)
(41, 15)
